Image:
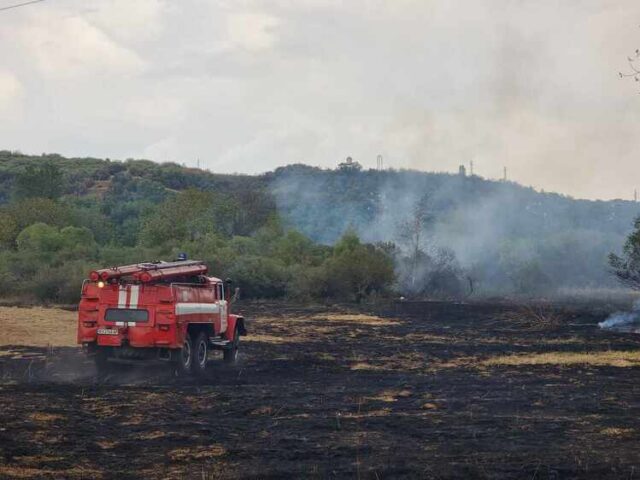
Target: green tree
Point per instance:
(259, 277)
(43, 181)
(356, 270)
(627, 266)
(40, 210)
(8, 230)
(189, 216)
(295, 248)
(77, 243)
(39, 237)
(56, 246)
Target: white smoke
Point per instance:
(623, 319)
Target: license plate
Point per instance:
(108, 331)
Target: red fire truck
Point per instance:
(157, 312)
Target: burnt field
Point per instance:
(411, 391)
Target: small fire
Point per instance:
(623, 320)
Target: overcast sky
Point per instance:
(246, 86)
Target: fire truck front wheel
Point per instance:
(231, 354)
(201, 351)
(185, 356)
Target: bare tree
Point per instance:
(634, 67)
(413, 234)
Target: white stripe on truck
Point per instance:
(191, 308)
(133, 300)
(223, 316)
(122, 297)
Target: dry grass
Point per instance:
(45, 436)
(274, 339)
(106, 444)
(152, 435)
(265, 410)
(7, 471)
(378, 412)
(135, 419)
(314, 328)
(41, 327)
(197, 453)
(391, 395)
(617, 432)
(41, 417)
(37, 326)
(359, 319)
(35, 460)
(533, 317)
(102, 410)
(405, 362)
(610, 358)
(367, 366)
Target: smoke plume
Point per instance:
(503, 237)
(623, 320)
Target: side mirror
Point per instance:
(236, 295)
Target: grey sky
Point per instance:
(246, 86)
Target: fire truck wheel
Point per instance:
(201, 351)
(231, 354)
(185, 356)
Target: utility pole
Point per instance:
(379, 162)
(198, 163)
(635, 195)
(471, 168)
(504, 177)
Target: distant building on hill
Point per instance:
(349, 165)
(462, 171)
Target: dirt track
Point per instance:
(447, 391)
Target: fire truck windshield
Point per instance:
(126, 315)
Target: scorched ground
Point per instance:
(431, 391)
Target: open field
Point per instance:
(37, 327)
(416, 391)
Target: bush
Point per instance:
(356, 270)
(259, 277)
(59, 284)
(306, 283)
(39, 238)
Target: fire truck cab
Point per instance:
(158, 312)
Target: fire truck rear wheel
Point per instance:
(201, 351)
(231, 354)
(185, 356)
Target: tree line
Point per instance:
(303, 232)
(54, 229)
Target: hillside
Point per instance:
(500, 236)
(60, 218)
(504, 234)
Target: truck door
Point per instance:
(221, 327)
